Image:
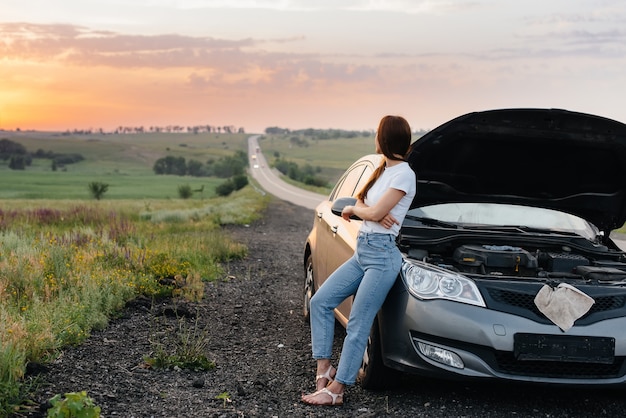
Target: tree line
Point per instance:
(19, 158)
(329, 133)
(306, 174)
(223, 167)
(178, 129)
(319, 133)
(232, 168)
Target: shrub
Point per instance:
(17, 162)
(305, 174)
(234, 183)
(98, 189)
(184, 191)
(240, 181)
(74, 404)
(225, 188)
(185, 347)
(63, 159)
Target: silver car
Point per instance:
(509, 269)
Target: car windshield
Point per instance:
(504, 215)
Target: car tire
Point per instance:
(374, 375)
(309, 288)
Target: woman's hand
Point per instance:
(388, 221)
(347, 212)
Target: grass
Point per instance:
(32, 184)
(67, 266)
(184, 347)
(124, 162)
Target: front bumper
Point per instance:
(483, 339)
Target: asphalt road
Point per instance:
(270, 181)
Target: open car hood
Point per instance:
(556, 159)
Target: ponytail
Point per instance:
(375, 176)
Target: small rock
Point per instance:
(240, 390)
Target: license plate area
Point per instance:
(570, 348)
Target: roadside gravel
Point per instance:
(256, 335)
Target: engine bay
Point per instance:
(511, 261)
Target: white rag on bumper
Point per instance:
(563, 305)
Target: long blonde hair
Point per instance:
(394, 140)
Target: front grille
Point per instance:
(515, 299)
(506, 363)
(608, 303)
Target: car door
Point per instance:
(325, 257)
(339, 239)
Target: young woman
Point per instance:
(382, 204)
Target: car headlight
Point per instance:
(426, 281)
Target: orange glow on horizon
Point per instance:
(60, 77)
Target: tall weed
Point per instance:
(65, 269)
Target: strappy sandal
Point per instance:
(336, 398)
(326, 375)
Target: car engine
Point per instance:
(511, 261)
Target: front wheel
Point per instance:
(374, 374)
(309, 288)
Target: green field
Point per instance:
(332, 156)
(124, 162)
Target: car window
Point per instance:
(367, 173)
(346, 185)
(492, 214)
(357, 175)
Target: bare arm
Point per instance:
(387, 221)
(377, 212)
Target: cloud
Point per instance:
(398, 6)
(211, 61)
(81, 45)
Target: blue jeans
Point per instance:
(372, 270)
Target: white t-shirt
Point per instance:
(399, 177)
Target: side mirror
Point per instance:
(342, 202)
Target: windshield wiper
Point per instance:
(522, 228)
(500, 228)
(432, 222)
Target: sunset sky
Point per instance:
(342, 64)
